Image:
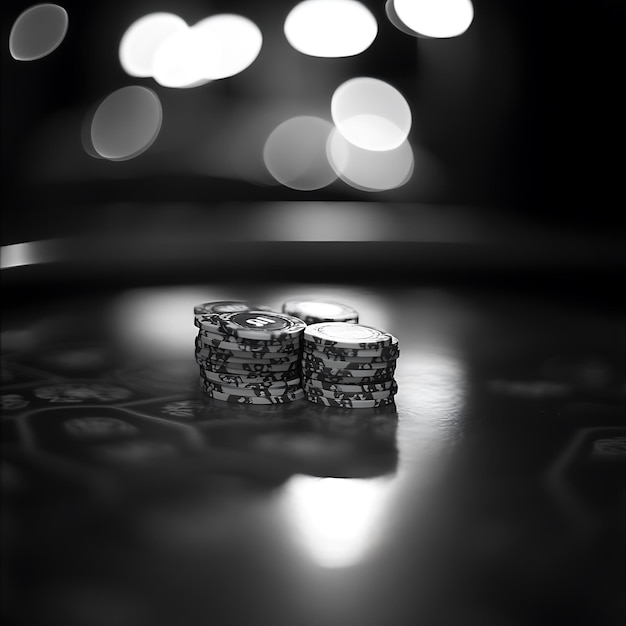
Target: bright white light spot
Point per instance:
(436, 18)
(330, 28)
(126, 123)
(180, 61)
(37, 32)
(337, 520)
(371, 114)
(142, 39)
(295, 153)
(238, 40)
(370, 170)
(217, 47)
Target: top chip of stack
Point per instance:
(349, 365)
(227, 306)
(315, 311)
(249, 355)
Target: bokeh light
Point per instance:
(435, 18)
(180, 61)
(330, 28)
(37, 32)
(126, 123)
(370, 170)
(143, 38)
(371, 114)
(238, 39)
(295, 153)
(219, 46)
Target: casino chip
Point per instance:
(328, 352)
(249, 381)
(351, 388)
(238, 398)
(227, 306)
(260, 392)
(316, 362)
(358, 395)
(235, 361)
(315, 311)
(347, 374)
(253, 367)
(344, 335)
(349, 365)
(262, 325)
(346, 403)
(248, 355)
(225, 347)
(258, 377)
(334, 358)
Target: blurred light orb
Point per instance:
(126, 123)
(143, 38)
(238, 39)
(370, 170)
(181, 60)
(219, 46)
(37, 32)
(295, 153)
(330, 28)
(371, 114)
(436, 18)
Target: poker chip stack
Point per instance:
(248, 354)
(315, 311)
(349, 365)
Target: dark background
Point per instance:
(523, 114)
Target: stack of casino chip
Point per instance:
(249, 356)
(349, 365)
(313, 311)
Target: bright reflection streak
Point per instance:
(371, 114)
(143, 38)
(217, 47)
(295, 153)
(436, 18)
(330, 28)
(126, 123)
(337, 520)
(30, 253)
(37, 32)
(370, 170)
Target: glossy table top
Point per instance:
(492, 492)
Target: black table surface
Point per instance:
(492, 492)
